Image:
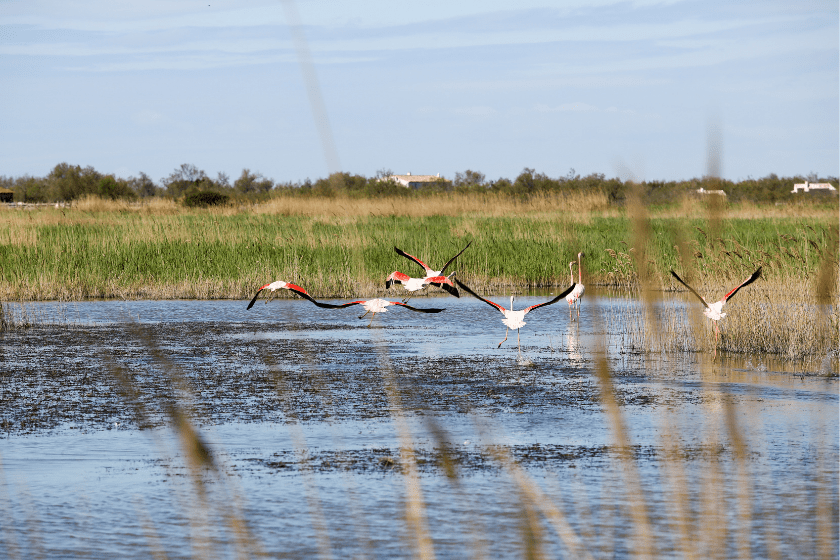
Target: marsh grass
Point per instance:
(343, 247)
(791, 311)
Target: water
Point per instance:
(300, 409)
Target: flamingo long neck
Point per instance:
(571, 273)
(580, 271)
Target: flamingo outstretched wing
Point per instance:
(413, 258)
(445, 283)
(397, 277)
(475, 295)
(362, 302)
(421, 310)
(348, 304)
(690, 289)
(753, 277)
(288, 286)
(455, 257)
(565, 292)
(253, 301)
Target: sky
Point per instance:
(296, 90)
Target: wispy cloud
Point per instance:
(580, 107)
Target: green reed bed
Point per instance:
(70, 255)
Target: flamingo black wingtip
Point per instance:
(253, 301)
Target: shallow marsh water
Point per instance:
(301, 408)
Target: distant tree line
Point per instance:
(193, 186)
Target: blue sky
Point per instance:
(630, 89)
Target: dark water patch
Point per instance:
(464, 460)
(99, 376)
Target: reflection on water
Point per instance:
(291, 401)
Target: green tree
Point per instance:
(185, 178)
(110, 187)
(144, 186)
(69, 182)
(469, 179)
(30, 189)
(252, 183)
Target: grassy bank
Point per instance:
(344, 247)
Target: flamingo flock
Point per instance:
(513, 319)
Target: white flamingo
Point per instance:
(515, 319)
(375, 306)
(714, 311)
(281, 285)
(433, 277)
(414, 284)
(570, 299)
(574, 297)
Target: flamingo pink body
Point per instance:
(714, 311)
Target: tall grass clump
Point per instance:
(790, 312)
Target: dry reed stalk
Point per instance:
(313, 499)
(478, 550)
(641, 234)
(415, 506)
(155, 545)
(199, 460)
(534, 498)
(681, 505)
(743, 488)
(638, 508)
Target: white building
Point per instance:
(806, 186)
(701, 190)
(415, 181)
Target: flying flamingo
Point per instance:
(515, 319)
(714, 311)
(414, 284)
(434, 277)
(280, 285)
(574, 297)
(375, 306)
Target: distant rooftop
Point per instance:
(414, 181)
(806, 186)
